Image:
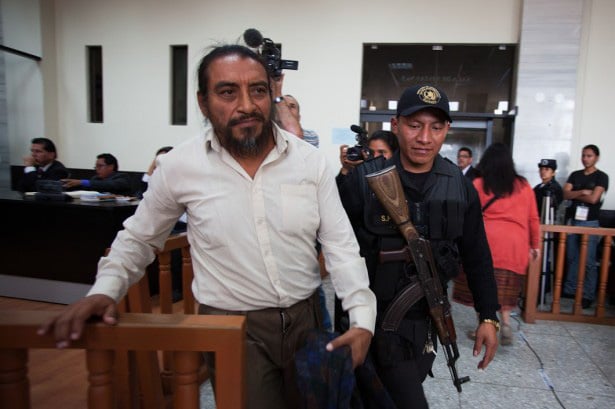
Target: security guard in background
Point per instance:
(445, 209)
(548, 187)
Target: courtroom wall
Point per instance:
(325, 36)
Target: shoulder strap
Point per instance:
(490, 202)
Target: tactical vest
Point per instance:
(439, 218)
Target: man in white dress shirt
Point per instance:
(257, 199)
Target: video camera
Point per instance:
(356, 152)
(269, 52)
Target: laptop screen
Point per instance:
(49, 186)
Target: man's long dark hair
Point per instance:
(498, 170)
(220, 52)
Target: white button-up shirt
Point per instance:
(252, 239)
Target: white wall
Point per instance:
(596, 91)
(325, 36)
(21, 30)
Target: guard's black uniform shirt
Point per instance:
(472, 244)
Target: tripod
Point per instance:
(547, 216)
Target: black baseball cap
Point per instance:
(548, 163)
(421, 97)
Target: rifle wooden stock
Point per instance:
(387, 187)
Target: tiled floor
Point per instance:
(550, 365)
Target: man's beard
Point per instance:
(251, 144)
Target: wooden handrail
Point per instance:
(531, 313)
(191, 334)
(175, 242)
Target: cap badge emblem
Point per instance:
(429, 95)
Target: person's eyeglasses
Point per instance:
(463, 156)
(100, 165)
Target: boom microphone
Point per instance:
(253, 37)
(357, 129)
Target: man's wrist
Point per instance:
(495, 323)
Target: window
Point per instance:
(478, 78)
(179, 84)
(95, 83)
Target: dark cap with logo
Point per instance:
(548, 163)
(421, 97)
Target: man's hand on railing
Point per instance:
(68, 326)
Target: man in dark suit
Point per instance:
(107, 179)
(464, 161)
(41, 164)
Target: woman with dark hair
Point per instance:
(382, 143)
(512, 225)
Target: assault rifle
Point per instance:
(387, 187)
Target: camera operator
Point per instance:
(380, 143)
(283, 113)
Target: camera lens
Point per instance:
(354, 153)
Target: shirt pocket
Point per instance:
(299, 209)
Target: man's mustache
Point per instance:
(237, 121)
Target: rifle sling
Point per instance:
(397, 309)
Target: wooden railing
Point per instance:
(190, 334)
(175, 242)
(561, 233)
(138, 297)
(150, 372)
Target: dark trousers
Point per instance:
(273, 336)
(401, 364)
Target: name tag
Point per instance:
(581, 213)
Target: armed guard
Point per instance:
(445, 210)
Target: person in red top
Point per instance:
(512, 226)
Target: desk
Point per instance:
(50, 250)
